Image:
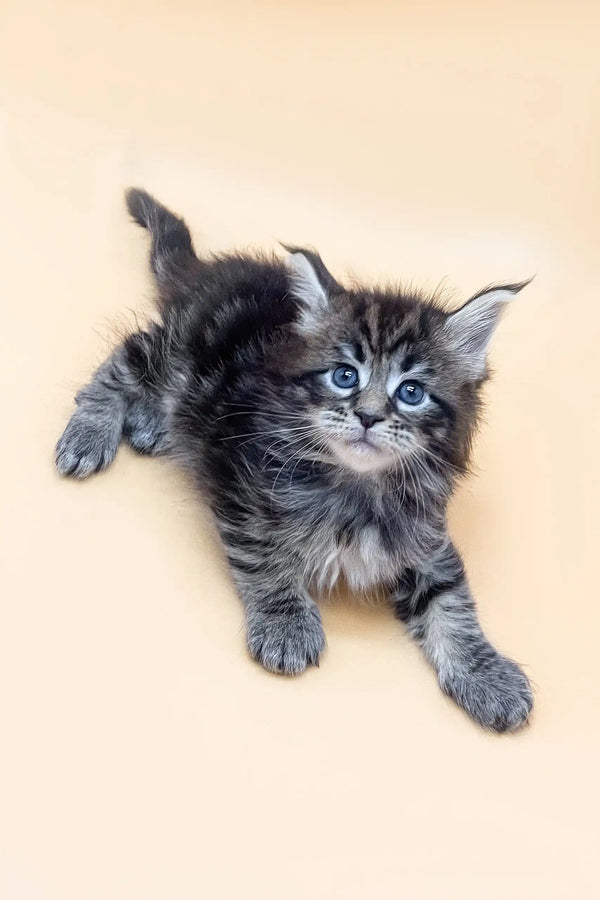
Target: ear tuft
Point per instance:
(470, 328)
(307, 287)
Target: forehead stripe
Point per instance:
(368, 334)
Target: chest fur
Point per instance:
(362, 561)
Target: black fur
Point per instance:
(310, 482)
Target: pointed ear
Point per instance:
(311, 283)
(470, 328)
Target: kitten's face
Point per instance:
(378, 408)
(384, 387)
(390, 379)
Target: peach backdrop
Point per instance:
(142, 754)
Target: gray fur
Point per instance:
(488, 686)
(310, 481)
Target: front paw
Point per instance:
(493, 690)
(286, 642)
(87, 445)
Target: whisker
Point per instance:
(252, 434)
(443, 462)
(314, 443)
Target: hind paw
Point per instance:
(144, 431)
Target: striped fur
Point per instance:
(235, 382)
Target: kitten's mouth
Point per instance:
(364, 443)
(362, 453)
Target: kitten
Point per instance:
(327, 428)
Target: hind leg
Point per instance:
(144, 427)
(121, 401)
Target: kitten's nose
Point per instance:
(368, 418)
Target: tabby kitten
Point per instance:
(327, 427)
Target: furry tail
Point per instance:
(172, 253)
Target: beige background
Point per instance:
(143, 755)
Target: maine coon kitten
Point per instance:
(327, 427)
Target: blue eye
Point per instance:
(345, 377)
(411, 392)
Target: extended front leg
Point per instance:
(283, 623)
(436, 605)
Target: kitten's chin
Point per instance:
(362, 457)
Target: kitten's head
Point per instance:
(390, 377)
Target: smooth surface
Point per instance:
(142, 754)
